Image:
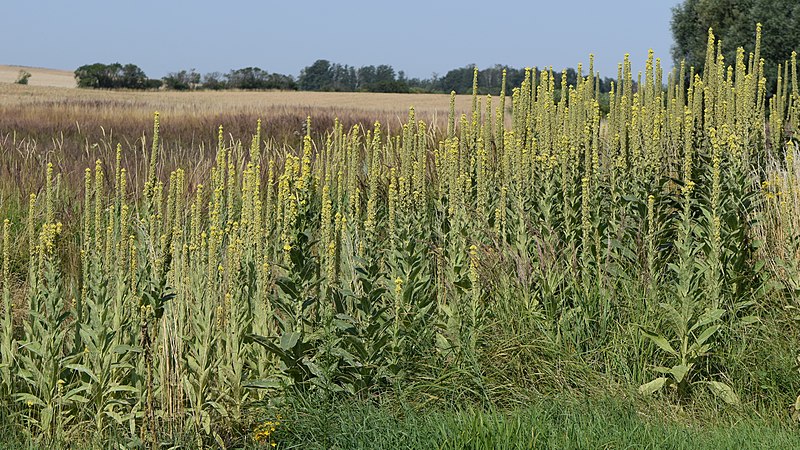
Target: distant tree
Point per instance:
(365, 76)
(344, 78)
(182, 81)
(459, 80)
(153, 83)
(214, 81)
(281, 82)
(257, 78)
(132, 77)
(384, 74)
(316, 77)
(248, 78)
(734, 22)
(23, 77)
(111, 76)
(94, 76)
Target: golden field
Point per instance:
(40, 77)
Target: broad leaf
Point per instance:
(724, 392)
(653, 386)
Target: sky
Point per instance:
(418, 37)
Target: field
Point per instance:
(510, 271)
(39, 76)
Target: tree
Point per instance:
(112, 76)
(734, 22)
(132, 77)
(248, 78)
(214, 81)
(316, 77)
(95, 75)
(257, 78)
(182, 81)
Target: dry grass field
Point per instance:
(39, 113)
(39, 76)
(429, 106)
(75, 127)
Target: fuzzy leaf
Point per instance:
(653, 386)
(679, 372)
(289, 340)
(706, 334)
(724, 392)
(660, 341)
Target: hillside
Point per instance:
(39, 76)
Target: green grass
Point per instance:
(548, 423)
(558, 423)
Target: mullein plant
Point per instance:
(375, 260)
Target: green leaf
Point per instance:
(653, 386)
(289, 340)
(264, 384)
(710, 316)
(724, 392)
(82, 368)
(749, 320)
(659, 341)
(706, 334)
(30, 398)
(679, 372)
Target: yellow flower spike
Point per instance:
(49, 194)
(6, 256)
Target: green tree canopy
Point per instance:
(734, 22)
(112, 76)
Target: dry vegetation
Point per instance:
(39, 76)
(72, 128)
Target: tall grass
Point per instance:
(648, 252)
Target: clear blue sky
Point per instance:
(419, 37)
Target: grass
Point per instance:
(547, 423)
(312, 422)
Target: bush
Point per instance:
(23, 77)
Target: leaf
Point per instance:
(264, 384)
(289, 340)
(82, 368)
(653, 386)
(46, 418)
(706, 334)
(116, 416)
(711, 315)
(724, 392)
(749, 320)
(679, 372)
(30, 398)
(659, 341)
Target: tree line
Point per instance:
(322, 75)
(733, 21)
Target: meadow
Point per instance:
(314, 270)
